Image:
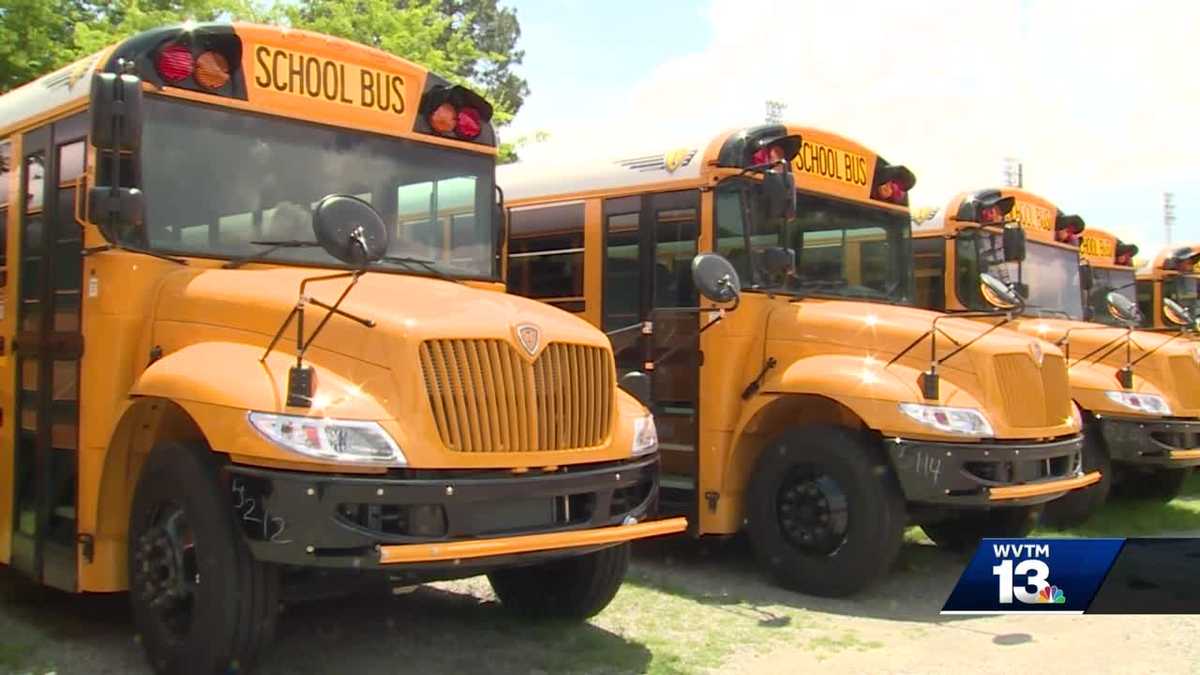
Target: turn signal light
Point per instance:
(891, 191)
(443, 119)
(174, 63)
(468, 125)
(212, 70)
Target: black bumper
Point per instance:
(1150, 442)
(338, 521)
(964, 474)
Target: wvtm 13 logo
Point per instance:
(1032, 575)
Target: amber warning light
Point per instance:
(455, 112)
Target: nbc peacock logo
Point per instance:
(1051, 594)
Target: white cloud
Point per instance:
(1099, 100)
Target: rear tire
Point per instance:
(574, 588)
(962, 532)
(201, 604)
(825, 512)
(1075, 507)
(1161, 485)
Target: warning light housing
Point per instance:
(455, 112)
(204, 58)
(892, 183)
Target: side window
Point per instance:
(545, 254)
(929, 262)
(676, 228)
(730, 241)
(6, 175)
(966, 270)
(1145, 301)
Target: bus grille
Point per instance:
(1186, 376)
(1033, 396)
(487, 398)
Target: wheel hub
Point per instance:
(813, 511)
(164, 566)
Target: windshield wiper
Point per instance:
(272, 246)
(429, 265)
(131, 249)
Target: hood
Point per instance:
(1171, 369)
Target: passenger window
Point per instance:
(676, 227)
(35, 182)
(6, 174)
(70, 162)
(546, 259)
(623, 271)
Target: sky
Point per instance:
(1099, 101)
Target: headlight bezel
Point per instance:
(645, 436)
(926, 415)
(262, 422)
(1137, 401)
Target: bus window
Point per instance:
(70, 161)
(1145, 300)
(35, 186)
(1105, 281)
(929, 260)
(676, 228)
(623, 272)
(5, 176)
(546, 254)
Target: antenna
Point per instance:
(1014, 172)
(775, 112)
(1168, 214)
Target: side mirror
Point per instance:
(776, 261)
(1086, 278)
(637, 384)
(1177, 313)
(997, 293)
(119, 213)
(1014, 243)
(715, 278)
(1122, 308)
(116, 112)
(779, 193)
(350, 229)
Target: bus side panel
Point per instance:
(8, 422)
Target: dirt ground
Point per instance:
(687, 607)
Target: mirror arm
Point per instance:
(1181, 333)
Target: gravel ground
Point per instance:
(687, 607)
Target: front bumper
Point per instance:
(430, 522)
(1168, 443)
(988, 474)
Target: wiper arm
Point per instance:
(131, 249)
(272, 246)
(428, 265)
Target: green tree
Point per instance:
(35, 38)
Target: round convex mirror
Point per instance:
(1176, 313)
(1121, 308)
(997, 293)
(350, 229)
(715, 278)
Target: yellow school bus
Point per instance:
(256, 331)
(825, 412)
(1173, 274)
(1137, 391)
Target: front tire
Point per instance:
(201, 604)
(826, 515)
(963, 531)
(574, 588)
(1075, 507)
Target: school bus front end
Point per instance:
(1136, 390)
(1173, 274)
(260, 332)
(824, 412)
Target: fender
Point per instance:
(1090, 380)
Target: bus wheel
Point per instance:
(573, 588)
(963, 531)
(1077, 506)
(825, 512)
(1160, 484)
(201, 603)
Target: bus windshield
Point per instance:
(1050, 273)
(839, 249)
(1106, 280)
(217, 180)
(1186, 291)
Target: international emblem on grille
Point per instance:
(530, 337)
(1035, 350)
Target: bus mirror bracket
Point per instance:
(116, 112)
(116, 208)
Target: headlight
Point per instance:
(961, 421)
(330, 439)
(1151, 404)
(645, 436)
